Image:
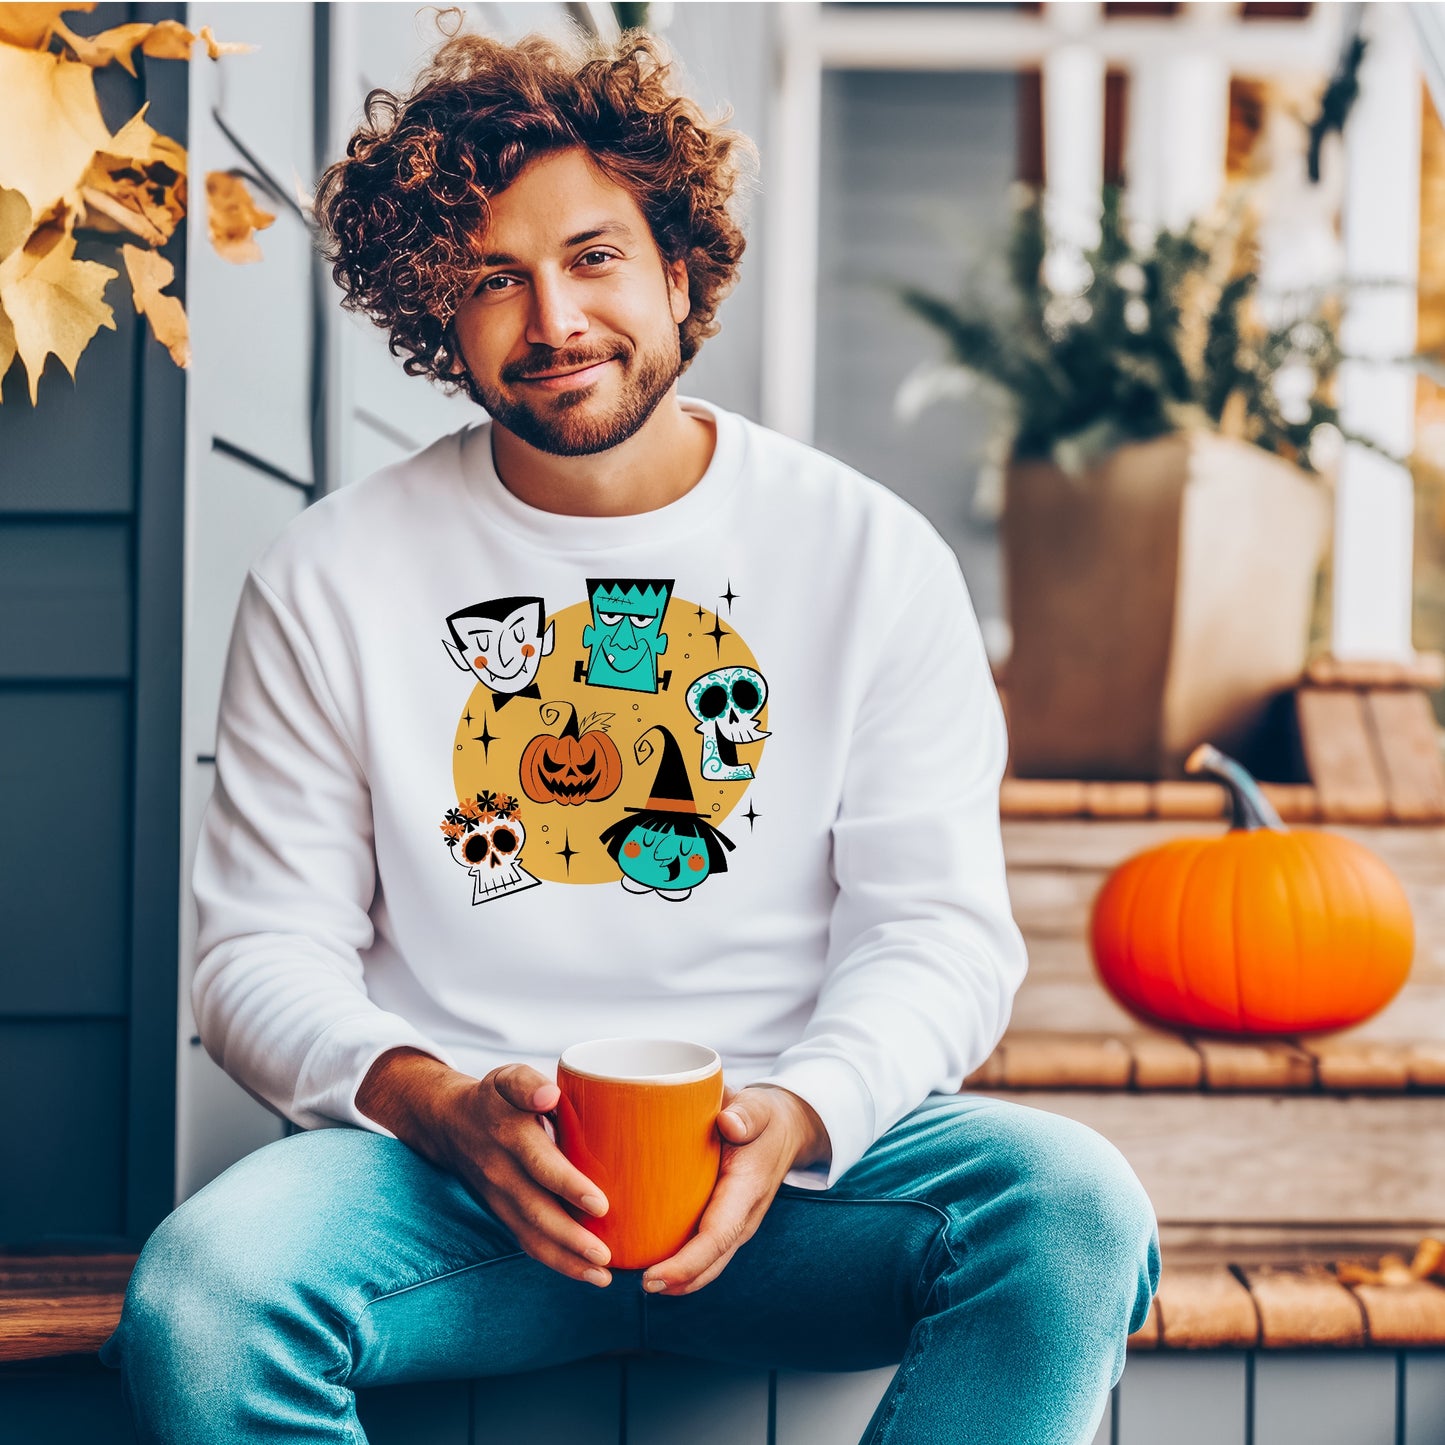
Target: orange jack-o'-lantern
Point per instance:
(579, 765)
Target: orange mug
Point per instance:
(639, 1118)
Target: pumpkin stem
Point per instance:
(553, 710)
(1250, 807)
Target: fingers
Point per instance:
(729, 1221)
(525, 1088)
(544, 1229)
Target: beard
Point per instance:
(560, 424)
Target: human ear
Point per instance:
(678, 295)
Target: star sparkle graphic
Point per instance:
(717, 632)
(729, 596)
(567, 853)
(751, 815)
(486, 737)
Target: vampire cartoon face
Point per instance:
(726, 702)
(625, 637)
(502, 642)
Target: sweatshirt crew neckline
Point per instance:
(553, 530)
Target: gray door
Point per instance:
(91, 547)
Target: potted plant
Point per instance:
(1166, 501)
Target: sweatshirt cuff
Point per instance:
(339, 1062)
(837, 1091)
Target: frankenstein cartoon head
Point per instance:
(625, 636)
(502, 642)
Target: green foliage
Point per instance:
(1140, 342)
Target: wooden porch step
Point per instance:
(60, 1304)
(1145, 1060)
(57, 1305)
(1363, 733)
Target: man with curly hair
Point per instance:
(552, 231)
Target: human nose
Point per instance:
(556, 316)
(624, 636)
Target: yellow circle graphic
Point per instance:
(562, 843)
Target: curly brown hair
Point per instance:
(403, 217)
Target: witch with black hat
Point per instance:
(668, 847)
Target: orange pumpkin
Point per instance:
(1258, 931)
(578, 765)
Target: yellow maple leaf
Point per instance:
(233, 218)
(137, 184)
(50, 125)
(31, 26)
(14, 227)
(165, 40)
(53, 302)
(115, 44)
(217, 48)
(138, 140)
(169, 40)
(149, 274)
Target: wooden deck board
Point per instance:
(1239, 1064)
(1304, 1306)
(1205, 1307)
(1134, 1058)
(1410, 1315)
(57, 1305)
(1404, 729)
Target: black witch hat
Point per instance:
(670, 807)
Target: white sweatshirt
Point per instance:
(491, 781)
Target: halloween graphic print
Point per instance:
(603, 743)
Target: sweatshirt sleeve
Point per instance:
(284, 877)
(924, 957)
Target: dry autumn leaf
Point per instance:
(1429, 1261)
(53, 302)
(165, 40)
(138, 184)
(109, 45)
(1429, 1257)
(60, 169)
(14, 227)
(217, 48)
(31, 26)
(233, 217)
(149, 274)
(50, 126)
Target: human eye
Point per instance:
(485, 287)
(643, 621)
(604, 256)
(609, 619)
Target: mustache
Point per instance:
(555, 364)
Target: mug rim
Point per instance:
(680, 1076)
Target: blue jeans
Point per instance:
(999, 1254)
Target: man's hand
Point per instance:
(490, 1134)
(766, 1131)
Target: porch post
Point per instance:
(1073, 85)
(790, 217)
(1374, 507)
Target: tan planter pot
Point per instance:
(1161, 600)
